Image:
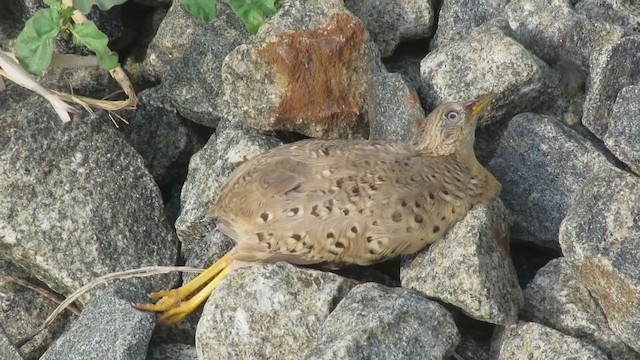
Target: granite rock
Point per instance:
(22, 310)
(624, 127)
(612, 68)
(163, 139)
(324, 90)
(553, 30)
(390, 22)
(397, 109)
(191, 67)
(534, 341)
(66, 191)
(8, 351)
(470, 267)
(600, 235)
(376, 322)
(272, 311)
(557, 298)
(458, 18)
(108, 328)
(490, 62)
(542, 163)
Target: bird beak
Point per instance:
(475, 106)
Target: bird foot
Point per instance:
(173, 305)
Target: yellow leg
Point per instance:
(171, 301)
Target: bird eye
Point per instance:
(452, 116)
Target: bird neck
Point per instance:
(487, 185)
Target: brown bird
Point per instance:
(341, 202)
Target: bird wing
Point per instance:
(340, 202)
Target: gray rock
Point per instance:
(612, 68)
(458, 18)
(75, 200)
(192, 83)
(324, 91)
(601, 236)
(541, 164)
(164, 140)
(90, 81)
(490, 62)
(208, 170)
(531, 341)
(108, 328)
(22, 310)
(623, 13)
(390, 22)
(553, 30)
(377, 322)
(172, 352)
(268, 311)
(394, 118)
(407, 65)
(6, 348)
(623, 130)
(206, 251)
(557, 298)
(166, 48)
(471, 267)
(471, 349)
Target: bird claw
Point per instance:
(167, 302)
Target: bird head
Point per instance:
(450, 128)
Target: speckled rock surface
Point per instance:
(490, 62)
(623, 13)
(601, 236)
(458, 18)
(612, 69)
(471, 267)
(167, 49)
(108, 328)
(623, 129)
(8, 351)
(398, 110)
(172, 352)
(192, 80)
(534, 341)
(162, 138)
(557, 298)
(268, 311)
(391, 21)
(209, 168)
(267, 83)
(22, 310)
(66, 191)
(376, 322)
(553, 30)
(542, 163)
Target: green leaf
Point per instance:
(108, 61)
(85, 5)
(53, 3)
(34, 46)
(89, 35)
(202, 9)
(253, 12)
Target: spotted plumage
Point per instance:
(340, 202)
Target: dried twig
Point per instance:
(127, 274)
(40, 290)
(14, 72)
(117, 74)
